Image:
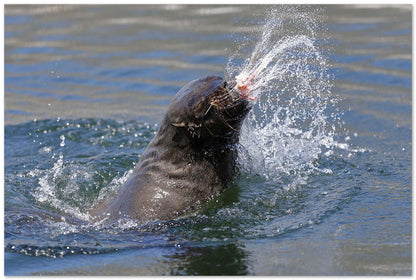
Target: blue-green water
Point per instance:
(85, 89)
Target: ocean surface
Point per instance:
(325, 183)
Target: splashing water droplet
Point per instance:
(287, 76)
(62, 144)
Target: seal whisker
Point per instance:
(209, 108)
(210, 132)
(226, 123)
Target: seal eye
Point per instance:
(177, 137)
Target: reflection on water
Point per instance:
(204, 261)
(113, 70)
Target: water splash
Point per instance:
(75, 173)
(59, 187)
(294, 121)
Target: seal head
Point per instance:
(206, 110)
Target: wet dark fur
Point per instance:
(191, 158)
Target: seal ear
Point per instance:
(181, 124)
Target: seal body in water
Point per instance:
(190, 159)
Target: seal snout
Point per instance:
(222, 98)
(225, 97)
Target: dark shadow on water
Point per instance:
(228, 259)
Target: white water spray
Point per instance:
(287, 76)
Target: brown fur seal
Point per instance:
(191, 158)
